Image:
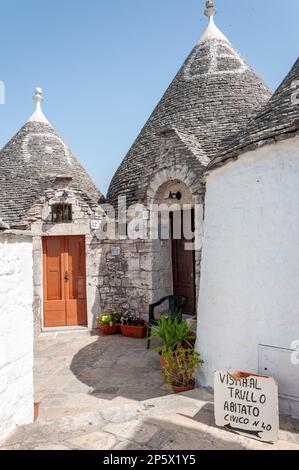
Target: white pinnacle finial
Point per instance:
(38, 115)
(38, 95)
(211, 32)
(210, 8)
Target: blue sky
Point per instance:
(104, 64)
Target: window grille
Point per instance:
(62, 213)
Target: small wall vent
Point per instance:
(278, 363)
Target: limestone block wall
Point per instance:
(134, 273)
(140, 274)
(16, 331)
(162, 276)
(125, 276)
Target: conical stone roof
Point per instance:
(277, 121)
(213, 95)
(30, 163)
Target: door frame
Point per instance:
(43, 279)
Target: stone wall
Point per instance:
(162, 275)
(16, 331)
(141, 273)
(178, 166)
(125, 278)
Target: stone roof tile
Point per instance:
(29, 165)
(213, 95)
(278, 120)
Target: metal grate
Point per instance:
(62, 213)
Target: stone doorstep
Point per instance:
(64, 330)
(94, 405)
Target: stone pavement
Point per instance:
(78, 373)
(106, 393)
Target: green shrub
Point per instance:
(109, 319)
(172, 334)
(179, 366)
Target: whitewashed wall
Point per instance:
(249, 291)
(16, 332)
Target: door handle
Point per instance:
(66, 277)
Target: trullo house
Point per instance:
(45, 190)
(213, 95)
(249, 295)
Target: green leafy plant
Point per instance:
(172, 334)
(180, 366)
(127, 318)
(130, 319)
(109, 319)
(139, 322)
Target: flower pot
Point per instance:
(181, 389)
(185, 345)
(110, 329)
(133, 331)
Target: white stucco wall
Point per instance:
(249, 291)
(16, 332)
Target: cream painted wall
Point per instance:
(249, 291)
(16, 332)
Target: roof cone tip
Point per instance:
(211, 32)
(38, 115)
(38, 95)
(210, 10)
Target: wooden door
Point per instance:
(183, 263)
(76, 308)
(64, 281)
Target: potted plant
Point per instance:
(172, 334)
(133, 326)
(109, 324)
(180, 367)
(189, 342)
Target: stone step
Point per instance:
(184, 420)
(77, 405)
(71, 426)
(121, 409)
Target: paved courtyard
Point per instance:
(98, 392)
(79, 373)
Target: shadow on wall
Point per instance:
(120, 367)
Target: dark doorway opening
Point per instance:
(183, 259)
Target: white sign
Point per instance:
(95, 224)
(115, 250)
(247, 404)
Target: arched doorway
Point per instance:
(174, 260)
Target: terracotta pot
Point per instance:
(110, 329)
(185, 345)
(133, 331)
(182, 389)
